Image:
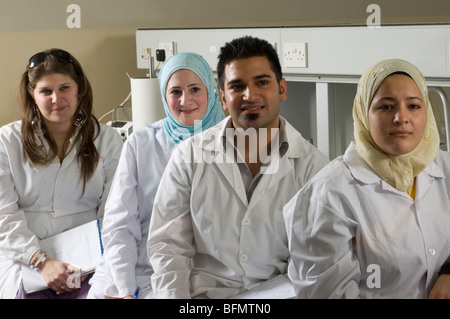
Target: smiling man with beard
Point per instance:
(217, 228)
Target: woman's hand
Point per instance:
(59, 276)
(441, 288)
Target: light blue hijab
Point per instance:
(175, 131)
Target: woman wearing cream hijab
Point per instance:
(375, 222)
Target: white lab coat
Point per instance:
(36, 203)
(206, 239)
(127, 215)
(353, 235)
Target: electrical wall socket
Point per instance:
(146, 53)
(168, 47)
(295, 55)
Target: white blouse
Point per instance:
(38, 202)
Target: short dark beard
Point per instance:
(251, 117)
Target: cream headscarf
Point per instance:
(398, 171)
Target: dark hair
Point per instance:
(247, 47)
(87, 155)
(400, 73)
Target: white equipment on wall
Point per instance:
(124, 128)
(146, 102)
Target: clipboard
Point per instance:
(81, 247)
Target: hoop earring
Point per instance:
(36, 123)
(80, 119)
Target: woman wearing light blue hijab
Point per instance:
(191, 61)
(189, 95)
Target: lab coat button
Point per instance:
(246, 221)
(244, 257)
(431, 251)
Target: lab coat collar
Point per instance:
(212, 139)
(434, 171)
(358, 167)
(362, 172)
(41, 141)
(297, 147)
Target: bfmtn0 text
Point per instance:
(226, 308)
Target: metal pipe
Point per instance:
(444, 99)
